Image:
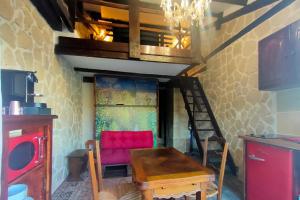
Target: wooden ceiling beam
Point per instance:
(268, 14)
(103, 24)
(123, 4)
(106, 3)
(235, 2)
(125, 74)
(243, 11)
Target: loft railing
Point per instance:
(145, 41)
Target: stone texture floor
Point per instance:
(82, 191)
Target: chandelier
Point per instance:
(187, 12)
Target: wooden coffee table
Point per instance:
(166, 172)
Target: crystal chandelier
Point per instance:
(187, 12)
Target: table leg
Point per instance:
(198, 196)
(147, 195)
(201, 195)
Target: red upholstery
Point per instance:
(115, 145)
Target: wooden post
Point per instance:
(134, 29)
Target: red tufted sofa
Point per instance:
(115, 145)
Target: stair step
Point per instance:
(192, 96)
(215, 152)
(206, 129)
(204, 124)
(215, 138)
(199, 103)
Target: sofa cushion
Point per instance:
(126, 139)
(115, 156)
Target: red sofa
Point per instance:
(115, 145)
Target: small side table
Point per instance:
(77, 162)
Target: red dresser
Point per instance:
(272, 168)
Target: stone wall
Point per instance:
(180, 137)
(88, 111)
(231, 79)
(288, 112)
(28, 44)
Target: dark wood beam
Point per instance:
(88, 79)
(165, 59)
(99, 49)
(277, 8)
(47, 10)
(144, 6)
(87, 44)
(64, 10)
(184, 71)
(144, 26)
(103, 24)
(236, 2)
(106, 3)
(126, 74)
(203, 69)
(219, 21)
(134, 29)
(243, 11)
(247, 9)
(165, 51)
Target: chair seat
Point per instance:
(212, 190)
(104, 195)
(120, 189)
(132, 195)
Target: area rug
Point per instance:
(81, 190)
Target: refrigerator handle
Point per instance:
(253, 157)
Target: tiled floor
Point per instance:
(82, 190)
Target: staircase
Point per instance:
(203, 123)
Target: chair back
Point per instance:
(94, 146)
(222, 170)
(93, 175)
(205, 149)
(222, 167)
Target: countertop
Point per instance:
(279, 141)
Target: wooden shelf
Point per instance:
(16, 118)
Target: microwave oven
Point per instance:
(24, 153)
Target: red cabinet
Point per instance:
(269, 172)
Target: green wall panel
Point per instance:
(126, 104)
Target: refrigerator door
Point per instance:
(269, 172)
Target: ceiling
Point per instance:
(156, 19)
(142, 67)
(118, 65)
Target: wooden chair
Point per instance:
(100, 191)
(213, 189)
(205, 149)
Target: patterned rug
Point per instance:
(81, 190)
(74, 190)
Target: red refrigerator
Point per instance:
(269, 172)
